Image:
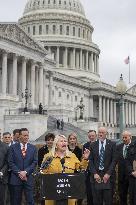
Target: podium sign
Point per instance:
(63, 186)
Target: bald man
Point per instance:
(123, 179)
(102, 168)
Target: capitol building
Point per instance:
(49, 53)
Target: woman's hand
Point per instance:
(86, 154)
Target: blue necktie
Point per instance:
(101, 162)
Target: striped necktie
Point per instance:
(101, 162)
(23, 151)
(125, 151)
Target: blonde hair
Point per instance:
(74, 135)
(56, 139)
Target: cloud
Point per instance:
(114, 32)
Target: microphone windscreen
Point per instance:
(62, 161)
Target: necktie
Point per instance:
(23, 151)
(125, 151)
(101, 162)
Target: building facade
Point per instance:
(50, 51)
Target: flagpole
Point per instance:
(129, 70)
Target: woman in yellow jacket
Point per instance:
(60, 151)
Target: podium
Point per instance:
(63, 186)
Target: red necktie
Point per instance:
(23, 151)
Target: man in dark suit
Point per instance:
(131, 170)
(123, 178)
(102, 168)
(22, 161)
(91, 138)
(15, 136)
(3, 171)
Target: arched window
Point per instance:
(54, 1)
(48, 1)
(76, 98)
(87, 34)
(60, 29)
(33, 30)
(47, 29)
(67, 30)
(83, 33)
(78, 32)
(74, 31)
(67, 96)
(59, 94)
(40, 30)
(54, 29)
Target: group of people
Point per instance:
(60, 124)
(99, 157)
(18, 160)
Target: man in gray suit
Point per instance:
(102, 168)
(3, 171)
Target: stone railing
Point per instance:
(21, 111)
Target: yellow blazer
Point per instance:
(71, 163)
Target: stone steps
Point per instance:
(68, 128)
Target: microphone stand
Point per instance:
(62, 201)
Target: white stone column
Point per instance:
(103, 109)
(45, 96)
(135, 113)
(50, 89)
(97, 64)
(115, 116)
(81, 59)
(100, 108)
(23, 74)
(14, 85)
(57, 57)
(107, 110)
(73, 58)
(132, 113)
(111, 111)
(49, 49)
(77, 60)
(91, 105)
(33, 83)
(126, 112)
(129, 113)
(86, 60)
(4, 72)
(91, 62)
(37, 86)
(66, 57)
(41, 85)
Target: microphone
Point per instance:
(62, 163)
(46, 163)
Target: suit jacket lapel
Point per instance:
(106, 149)
(19, 149)
(121, 150)
(97, 148)
(28, 149)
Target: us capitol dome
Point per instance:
(62, 28)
